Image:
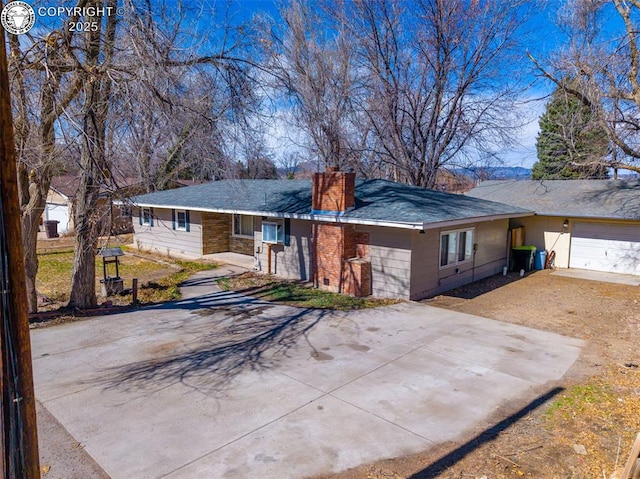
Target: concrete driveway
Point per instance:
(225, 386)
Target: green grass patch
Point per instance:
(587, 399)
(167, 288)
(54, 275)
(296, 294)
(158, 280)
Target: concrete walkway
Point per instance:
(601, 276)
(226, 386)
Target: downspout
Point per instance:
(473, 267)
(314, 243)
(508, 252)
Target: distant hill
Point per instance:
(495, 173)
(305, 169)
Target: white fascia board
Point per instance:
(476, 219)
(343, 219)
(588, 217)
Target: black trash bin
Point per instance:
(523, 258)
(51, 228)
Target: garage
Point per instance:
(58, 212)
(612, 248)
(588, 224)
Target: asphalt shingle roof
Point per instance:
(376, 200)
(615, 199)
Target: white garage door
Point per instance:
(606, 247)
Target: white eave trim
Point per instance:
(587, 218)
(343, 219)
(476, 219)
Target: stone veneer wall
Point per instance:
(216, 230)
(241, 245)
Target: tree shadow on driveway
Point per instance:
(225, 335)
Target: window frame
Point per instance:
(469, 239)
(280, 232)
(186, 221)
(146, 216)
(241, 234)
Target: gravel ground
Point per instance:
(61, 456)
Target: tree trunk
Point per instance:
(83, 287)
(30, 222)
(32, 188)
(83, 280)
(92, 160)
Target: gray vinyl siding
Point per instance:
(293, 261)
(390, 255)
(428, 279)
(492, 248)
(163, 239)
(424, 263)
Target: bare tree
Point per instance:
(440, 84)
(42, 91)
(99, 49)
(82, 75)
(606, 68)
(402, 88)
(312, 64)
(163, 51)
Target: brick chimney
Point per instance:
(336, 264)
(333, 191)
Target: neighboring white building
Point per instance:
(60, 203)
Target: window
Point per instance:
(272, 232)
(125, 211)
(242, 225)
(146, 218)
(180, 220)
(456, 247)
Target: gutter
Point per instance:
(473, 219)
(336, 218)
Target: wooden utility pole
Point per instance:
(19, 431)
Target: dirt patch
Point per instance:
(585, 427)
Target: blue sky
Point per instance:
(545, 38)
(542, 38)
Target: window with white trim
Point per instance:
(272, 232)
(456, 247)
(146, 217)
(181, 220)
(243, 225)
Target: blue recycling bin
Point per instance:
(541, 259)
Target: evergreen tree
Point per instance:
(570, 144)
